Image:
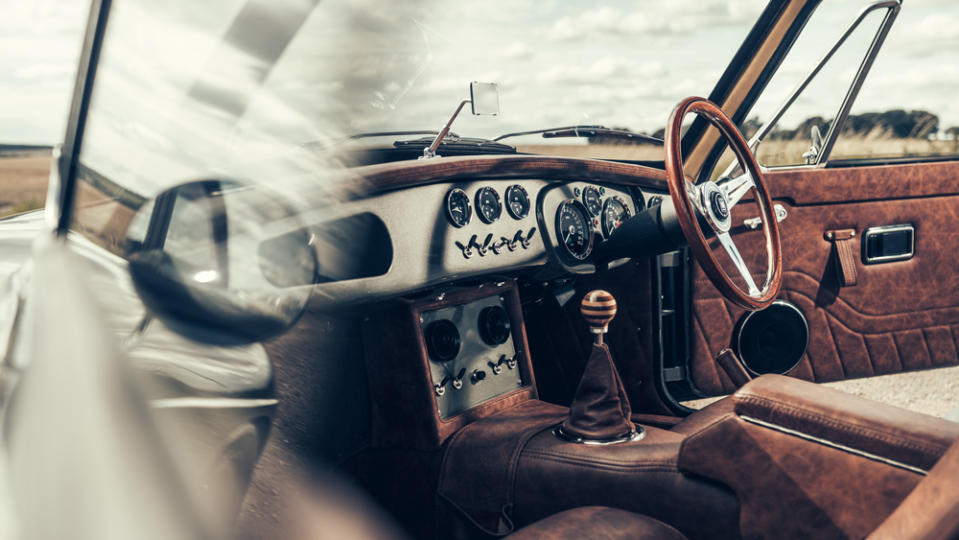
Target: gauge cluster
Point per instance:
(495, 234)
(573, 217)
(580, 215)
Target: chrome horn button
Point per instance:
(715, 207)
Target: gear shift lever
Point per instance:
(600, 410)
(598, 308)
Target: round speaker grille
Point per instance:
(772, 340)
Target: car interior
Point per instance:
(462, 340)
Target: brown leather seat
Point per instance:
(597, 522)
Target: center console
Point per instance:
(437, 363)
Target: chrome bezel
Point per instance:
(580, 207)
(509, 209)
(449, 212)
(479, 206)
(875, 231)
(602, 216)
(638, 433)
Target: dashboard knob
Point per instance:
(478, 376)
(442, 340)
(494, 325)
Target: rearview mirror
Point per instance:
(485, 98)
(204, 257)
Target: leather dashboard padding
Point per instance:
(479, 463)
(640, 476)
(901, 435)
(901, 316)
(600, 408)
(597, 522)
(790, 487)
(931, 511)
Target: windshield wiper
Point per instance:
(585, 131)
(397, 134)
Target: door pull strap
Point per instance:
(843, 242)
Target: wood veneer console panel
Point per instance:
(404, 407)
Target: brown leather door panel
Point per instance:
(900, 316)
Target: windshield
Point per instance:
(186, 90)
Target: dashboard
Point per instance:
(417, 236)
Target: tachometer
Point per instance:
(593, 201)
(615, 212)
(458, 208)
(573, 229)
(488, 205)
(517, 201)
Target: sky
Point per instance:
(363, 66)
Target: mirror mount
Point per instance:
(484, 100)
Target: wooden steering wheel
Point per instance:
(709, 205)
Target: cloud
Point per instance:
(659, 18)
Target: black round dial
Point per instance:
(442, 340)
(488, 205)
(573, 229)
(494, 325)
(615, 212)
(593, 201)
(458, 208)
(517, 201)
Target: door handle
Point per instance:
(888, 243)
(754, 223)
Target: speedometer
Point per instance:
(615, 212)
(488, 205)
(573, 230)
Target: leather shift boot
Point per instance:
(600, 410)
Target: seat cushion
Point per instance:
(597, 522)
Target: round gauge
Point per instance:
(458, 208)
(573, 229)
(517, 201)
(488, 205)
(615, 212)
(593, 200)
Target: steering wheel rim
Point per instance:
(715, 201)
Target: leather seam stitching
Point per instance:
(575, 457)
(627, 468)
(835, 346)
(854, 429)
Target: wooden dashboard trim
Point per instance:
(405, 174)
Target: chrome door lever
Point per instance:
(754, 223)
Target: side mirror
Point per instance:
(222, 262)
(812, 155)
(485, 98)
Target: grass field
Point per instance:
(772, 153)
(23, 183)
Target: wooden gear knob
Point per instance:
(598, 308)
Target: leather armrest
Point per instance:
(845, 420)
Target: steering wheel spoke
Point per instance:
(693, 192)
(737, 188)
(726, 240)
